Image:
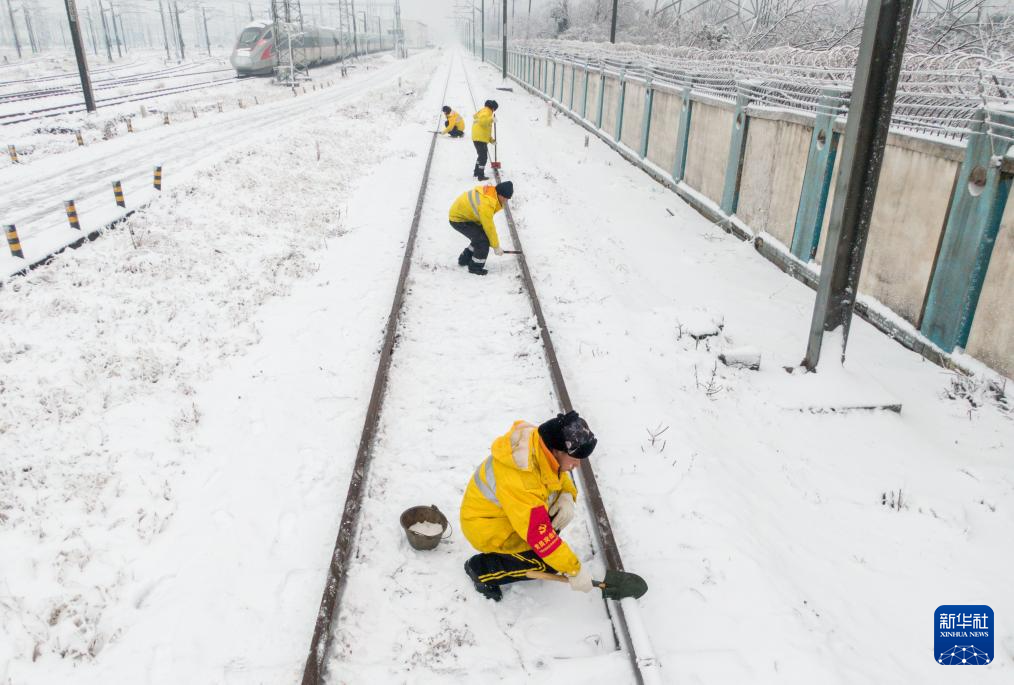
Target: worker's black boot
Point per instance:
(487, 590)
(480, 173)
(465, 257)
(477, 269)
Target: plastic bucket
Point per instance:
(423, 514)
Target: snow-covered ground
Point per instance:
(180, 405)
(34, 193)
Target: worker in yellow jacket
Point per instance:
(454, 123)
(519, 499)
(482, 136)
(472, 216)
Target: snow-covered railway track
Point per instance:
(59, 110)
(460, 364)
(103, 84)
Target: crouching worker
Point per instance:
(454, 123)
(519, 499)
(472, 216)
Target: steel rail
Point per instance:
(603, 528)
(337, 577)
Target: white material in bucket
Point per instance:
(426, 528)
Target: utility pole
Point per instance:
(482, 32)
(179, 31)
(207, 36)
(14, 29)
(79, 52)
(165, 34)
(612, 31)
(355, 35)
(528, 23)
(31, 34)
(885, 30)
(123, 34)
(503, 30)
(91, 31)
(116, 31)
(105, 31)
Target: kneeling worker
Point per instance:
(472, 216)
(519, 499)
(454, 123)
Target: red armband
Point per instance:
(541, 535)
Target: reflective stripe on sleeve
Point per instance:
(487, 488)
(473, 199)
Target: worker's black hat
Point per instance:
(445, 109)
(492, 105)
(569, 433)
(506, 189)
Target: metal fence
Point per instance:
(938, 95)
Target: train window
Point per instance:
(249, 37)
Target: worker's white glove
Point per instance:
(582, 581)
(562, 510)
(498, 251)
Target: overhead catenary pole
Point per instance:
(116, 31)
(179, 31)
(91, 31)
(79, 53)
(881, 50)
(355, 34)
(165, 33)
(612, 30)
(503, 31)
(105, 31)
(14, 29)
(482, 31)
(207, 36)
(32, 41)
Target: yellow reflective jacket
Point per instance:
(478, 206)
(454, 121)
(505, 507)
(482, 126)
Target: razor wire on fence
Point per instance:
(937, 95)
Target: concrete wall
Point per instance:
(593, 96)
(773, 168)
(992, 337)
(908, 218)
(568, 78)
(633, 116)
(610, 103)
(665, 117)
(708, 150)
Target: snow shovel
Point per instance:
(617, 585)
(495, 163)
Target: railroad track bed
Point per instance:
(467, 360)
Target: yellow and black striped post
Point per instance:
(13, 242)
(13, 152)
(118, 194)
(72, 214)
(158, 178)
(165, 118)
(80, 140)
(130, 126)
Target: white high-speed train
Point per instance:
(256, 52)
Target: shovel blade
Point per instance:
(620, 584)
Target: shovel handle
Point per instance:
(541, 575)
